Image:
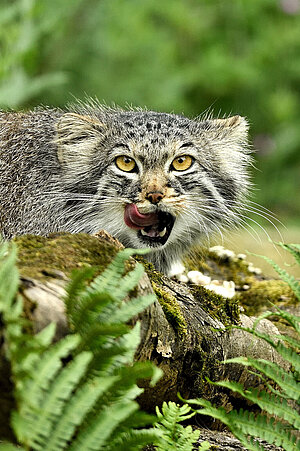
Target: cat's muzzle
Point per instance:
(158, 234)
(153, 228)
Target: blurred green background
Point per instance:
(184, 56)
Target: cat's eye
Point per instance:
(125, 163)
(182, 163)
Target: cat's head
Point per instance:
(153, 179)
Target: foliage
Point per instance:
(293, 249)
(172, 55)
(174, 435)
(79, 392)
(279, 420)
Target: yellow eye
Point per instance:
(182, 163)
(125, 163)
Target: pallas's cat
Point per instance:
(150, 179)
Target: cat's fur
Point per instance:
(58, 173)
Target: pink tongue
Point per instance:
(136, 220)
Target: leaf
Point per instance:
(274, 372)
(284, 275)
(80, 404)
(99, 431)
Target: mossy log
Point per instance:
(184, 332)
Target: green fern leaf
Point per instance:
(174, 435)
(98, 334)
(130, 309)
(291, 341)
(204, 446)
(275, 405)
(293, 249)
(286, 382)
(45, 337)
(110, 278)
(263, 427)
(54, 400)
(126, 386)
(293, 320)
(220, 414)
(10, 447)
(129, 282)
(46, 369)
(79, 405)
(284, 275)
(76, 286)
(9, 277)
(97, 434)
(88, 308)
(133, 440)
(287, 353)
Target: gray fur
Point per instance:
(58, 173)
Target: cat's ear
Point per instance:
(76, 138)
(234, 129)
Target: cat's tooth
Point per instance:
(143, 232)
(163, 232)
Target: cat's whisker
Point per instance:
(258, 211)
(203, 227)
(248, 226)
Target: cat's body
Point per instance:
(150, 179)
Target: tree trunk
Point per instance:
(183, 332)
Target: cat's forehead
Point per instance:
(152, 125)
(153, 135)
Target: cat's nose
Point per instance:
(154, 197)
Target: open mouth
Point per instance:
(153, 228)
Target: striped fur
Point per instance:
(58, 173)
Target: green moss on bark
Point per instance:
(223, 309)
(62, 252)
(171, 309)
(219, 268)
(262, 294)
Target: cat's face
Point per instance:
(159, 181)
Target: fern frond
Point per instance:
(133, 440)
(98, 334)
(9, 277)
(87, 307)
(273, 371)
(289, 355)
(204, 446)
(174, 435)
(76, 287)
(46, 369)
(271, 403)
(130, 309)
(129, 282)
(10, 447)
(110, 278)
(265, 428)
(293, 320)
(92, 396)
(101, 427)
(221, 415)
(291, 341)
(293, 249)
(126, 385)
(80, 404)
(284, 275)
(286, 353)
(54, 400)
